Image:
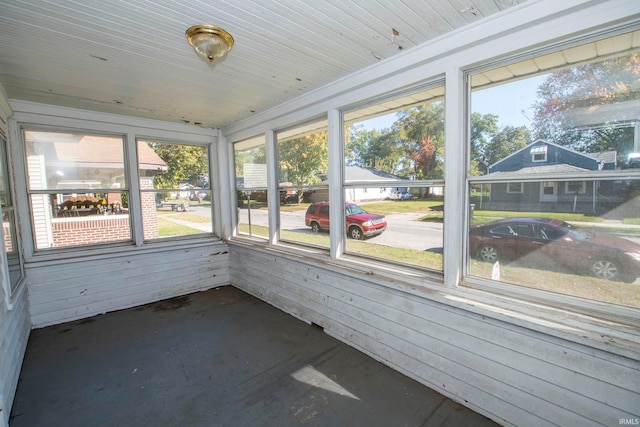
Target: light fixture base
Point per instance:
(210, 43)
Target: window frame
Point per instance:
(626, 315)
(11, 289)
(209, 190)
(75, 190)
(583, 188)
(319, 123)
(63, 119)
(520, 190)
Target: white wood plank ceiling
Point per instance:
(132, 57)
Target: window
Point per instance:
(174, 189)
(575, 187)
(77, 187)
(514, 187)
(303, 167)
(251, 187)
(560, 167)
(9, 230)
(394, 178)
(539, 153)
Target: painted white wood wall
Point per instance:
(511, 374)
(14, 333)
(75, 288)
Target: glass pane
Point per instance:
(167, 214)
(583, 243)
(398, 145)
(401, 139)
(251, 184)
(73, 219)
(74, 161)
(572, 116)
(174, 186)
(11, 247)
(302, 179)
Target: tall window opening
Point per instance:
(251, 187)
(303, 167)
(394, 179)
(553, 185)
(174, 189)
(77, 188)
(12, 246)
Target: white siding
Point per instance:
(511, 374)
(71, 289)
(14, 333)
(40, 203)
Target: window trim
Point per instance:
(41, 117)
(518, 191)
(583, 188)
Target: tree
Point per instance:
(378, 149)
(303, 160)
(582, 106)
(422, 132)
(506, 142)
(186, 163)
(254, 155)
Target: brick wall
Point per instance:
(96, 229)
(149, 214)
(90, 230)
(8, 245)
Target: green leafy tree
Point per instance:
(185, 163)
(378, 149)
(304, 160)
(254, 155)
(483, 128)
(582, 106)
(505, 142)
(422, 132)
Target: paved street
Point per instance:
(403, 230)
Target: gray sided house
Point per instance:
(546, 158)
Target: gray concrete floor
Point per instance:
(215, 358)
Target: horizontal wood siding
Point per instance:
(14, 333)
(513, 375)
(77, 288)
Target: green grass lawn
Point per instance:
(545, 279)
(167, 228)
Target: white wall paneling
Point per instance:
(14, 333)
(75, 288)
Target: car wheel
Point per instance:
(605, 269)
(488, 253)
(315, 227)
(355, 233)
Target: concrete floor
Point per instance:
(215, 358)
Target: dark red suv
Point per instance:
(360, 224)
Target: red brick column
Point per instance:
(149, 214)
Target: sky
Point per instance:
(516, 112)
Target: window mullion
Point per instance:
(336, 193)
(133, 181)
(454, 214)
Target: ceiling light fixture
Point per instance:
(210, 43)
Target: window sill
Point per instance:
(74, 254)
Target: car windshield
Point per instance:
(573, 232)
(354, 210)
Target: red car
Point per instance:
(600, 254)
(360, 224)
